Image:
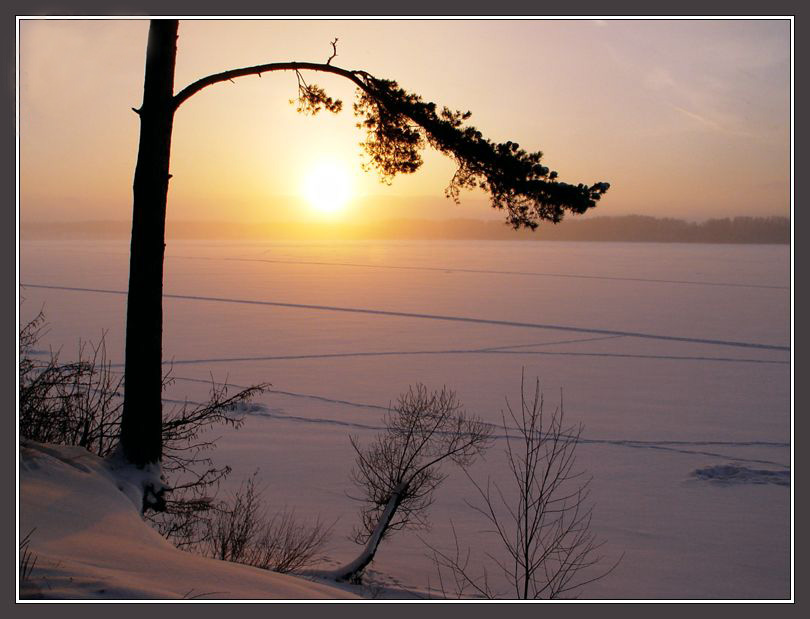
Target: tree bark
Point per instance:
(351, 571)
(142, 414)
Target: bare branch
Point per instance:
(334, 51)
(359, 78)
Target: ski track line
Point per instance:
(403, 353)
(660, 445)
(286, 393)
(575, 341)
(376, 312)
(362, 353)
(505, 350)
(663, 444)
(648, 280)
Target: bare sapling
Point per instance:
(241, 531)
(402, 467)
(540, 519)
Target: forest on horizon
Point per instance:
(627, 228)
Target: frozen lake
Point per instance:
(675, 358)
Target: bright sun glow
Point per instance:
(327, 187)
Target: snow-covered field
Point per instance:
(676, 358)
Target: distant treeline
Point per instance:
(653, 229)
(629, 228)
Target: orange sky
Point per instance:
(685, 119)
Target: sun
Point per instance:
(327, 187)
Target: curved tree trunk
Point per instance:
(352, 571)
(141, 421)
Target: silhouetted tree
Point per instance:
(399, 471)
(541, 518)
(142, 415)
(398, 125)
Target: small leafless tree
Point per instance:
(234, 526)
(74, 403)
(542, 520)
(241, 532)
(289, 545)
(399, 471)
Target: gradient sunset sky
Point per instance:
(687, 119)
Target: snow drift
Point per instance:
(90, 541)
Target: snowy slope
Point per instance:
(91, 543)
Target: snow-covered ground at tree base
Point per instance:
(89, 541)
(675, 358)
